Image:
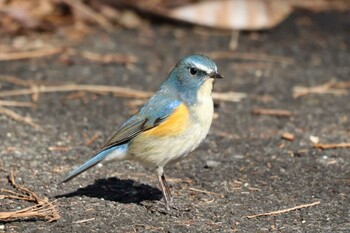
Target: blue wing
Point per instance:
(157, 108)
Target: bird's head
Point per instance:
(193, 74)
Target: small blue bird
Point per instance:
(171, 124)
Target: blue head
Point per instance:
(191, 75)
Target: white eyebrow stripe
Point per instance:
(204, 68)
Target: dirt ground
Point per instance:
(243, 168)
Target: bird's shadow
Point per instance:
(114, 189)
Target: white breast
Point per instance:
(201, 117)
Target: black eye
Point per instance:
(193, 71)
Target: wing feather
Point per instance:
(147, 118)
(126, 133)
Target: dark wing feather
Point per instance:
(130, 131)
(125, 134)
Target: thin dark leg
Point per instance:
(167, 190)
(164, 187)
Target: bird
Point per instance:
(170, 125)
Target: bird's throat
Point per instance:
(206, 88)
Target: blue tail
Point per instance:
(88, 164)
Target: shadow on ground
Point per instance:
(122, 191)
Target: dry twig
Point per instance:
(331, 87)
(58, 148)
(16, 104)
(92, 139)
(250, 56)
(36, 211)
(16, 81)
(119, 91)
(234, 39)
(42, 209)
(84, 220)
(66, 52)
(272, 112)
(13, 195)
(29, 54)
(229, 96)
(342, 85)
(252, 66)
(331, 146)
(284, 210)
(116, 90)
(90, 14)
(108, 58)
(15, 116)
(102, 58)
(206, 192)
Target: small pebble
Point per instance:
(238, 156)
(211, 164)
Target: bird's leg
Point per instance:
(164, 187)
(167, 190)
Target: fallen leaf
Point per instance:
(234, 14)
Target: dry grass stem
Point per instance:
(252, 66)
(90, 14)
(84, 220)
(206, 192)
(24, 190)
(250, 56)
(15, 116)
(331, 146)
(342, 85)
(284, 210)
(16, 81)
(66, 52)
(13, 195)
(108, 58)
(102, 58)
(119, 91)
(229, 96)
(58, 148)
(89, 141)
(8, 103)
(29, 54)
(234, 39)
(272, 112)
(254, 189)
(116, 90)
(331, 87)
(43, 209)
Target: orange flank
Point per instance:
(175, 124)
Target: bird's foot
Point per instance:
(171, 206)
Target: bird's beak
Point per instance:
(216, 76)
